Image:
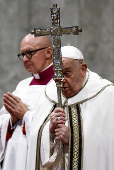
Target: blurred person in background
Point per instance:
(21, 106)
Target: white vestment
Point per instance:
(96, 101)
(14, 152)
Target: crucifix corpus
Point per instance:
(56, 31)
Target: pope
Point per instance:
(84, 124)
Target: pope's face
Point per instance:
(38, 61)
(74, 73)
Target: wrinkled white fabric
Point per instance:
(14, 152)
(97, 110)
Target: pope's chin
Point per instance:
(66, 92)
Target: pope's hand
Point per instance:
(14, 106)
(57, 117)
(62, 133)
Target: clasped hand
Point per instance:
(15, 107)
(57, 126)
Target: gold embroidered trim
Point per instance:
(39, 140)
(52, 101)
(69, 136)
(85, 82)
(76, 137)
(80, 102)
(79, 91)
(82, 137)
(75, 160)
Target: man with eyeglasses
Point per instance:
(21, 107)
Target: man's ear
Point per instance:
(49, 52)
(84, 68)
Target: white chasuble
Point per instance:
(91, 112)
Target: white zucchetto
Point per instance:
(71, 52)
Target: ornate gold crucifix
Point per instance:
(56, 31)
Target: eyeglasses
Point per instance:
(29, 54)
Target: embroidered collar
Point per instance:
(92, 86)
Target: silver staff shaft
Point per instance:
(59, 87)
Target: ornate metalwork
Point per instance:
(56, 31)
